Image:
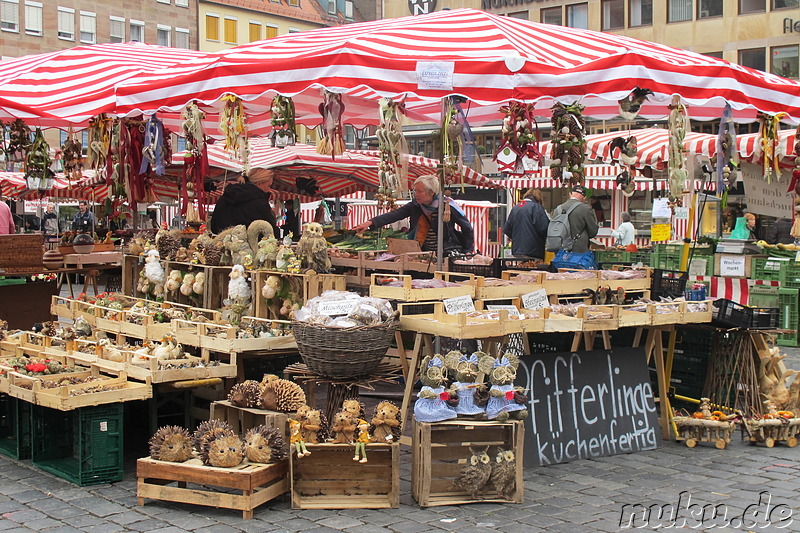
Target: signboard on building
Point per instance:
(764, 198)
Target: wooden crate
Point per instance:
(306, 286)
(330, 479)
(61, 307)
(242, 419)
(693, 315)
(142, 326)
(662, 313)
(629, 318)
(571, 286)
(629, 285)
(519, 288)
(555, 323)
(255, 484)
(86, 310)
(148, 369)
(440, 450)
(224, 337)
(513, 323)
(453, 326)
(21, 253)
(407, 294)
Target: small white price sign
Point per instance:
(341, 307)
(535, 300)
(459, 304)
(512, 310)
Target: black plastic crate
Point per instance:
(765, 318)
(517, 263)
(728, 313)
(487, 271)
(15, 427)
(668, 283)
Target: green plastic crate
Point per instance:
(83, 446)
(612, 256)
(789, 303)
(699, 265)
(677, 249)
(790, 275)
(768, 268)
(15, 427)
(12, 281)
(763, 296)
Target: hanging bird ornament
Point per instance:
(284, 131)
(331, 109)
(630, 105)
(628, 150)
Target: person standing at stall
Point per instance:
(84, 218)
(582, 227)
(242, 203)
(6, 220)
(526, 226)
(625, 233)
(50, 222)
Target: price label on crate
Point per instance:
(512, 310)
(459, 304)
(535, 300)
(342, 307)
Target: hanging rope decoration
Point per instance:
(678, 124)
(518, 153)
(130, 150)
(4, 145)
(628, 150)
(332, 109)
(19, 141)
(767, 145)
(37, 160)
(233, 125)
(568, 145)
(284, 130)
(195, 166)
(630, 105)
(450, 133)
(99, 143)
(72, 156)
(795, 186)
(727, 155)
(156, 148)
(393, 153)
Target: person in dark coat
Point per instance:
(242, 203)
(291, 223)
(526, 226)
(780, 232)
(422, 215)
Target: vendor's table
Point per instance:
(94, 258)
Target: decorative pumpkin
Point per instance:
(52, 259)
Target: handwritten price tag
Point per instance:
(341, 307)
(459, 304)
(512, 310)
(660, 232)
(535, 300)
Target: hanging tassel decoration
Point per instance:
(130, 149)
(99, 145)
(678, 125)
(568, 145)
(37, 160)
(195, 167)
(72, 157)
(155, 149)
(767, 145)
(284, 130)
(467, 146)
(19, 142)
(727, 154)
(233, 125)
(331, 109)
(393, 154)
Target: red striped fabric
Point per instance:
(748, 147)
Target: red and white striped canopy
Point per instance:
(487, 58)
(351, 171)
(747, 144)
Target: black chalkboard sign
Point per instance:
(587, 404)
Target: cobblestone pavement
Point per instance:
(583, 496)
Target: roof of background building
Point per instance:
(307, 10)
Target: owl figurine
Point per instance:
(475, 475)
(313, 249)
(504, 473)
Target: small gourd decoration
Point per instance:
(264, 444)
(172, 444)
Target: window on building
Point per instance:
(640, 13)
(136, 29)
(709, 8)
(212, 27)
(551, 15)
(679, 10)
(9, 15)
(270, 31)
(785, 61)
(348, 9)
(182, 3)
(753, 58)
(163, 1)
(33, 18)
(578, 16)
(295, 3)
(88, 27)
(182, 38)
(254, 31)
(613, 14)
(718, 55)
(230, 30)
(523, 15)
(66, 23)
(752, 6)
(332, 7)
(294, 30)
(164, 35)
(116, 30)
(784, 4)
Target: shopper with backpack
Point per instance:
(571, 226)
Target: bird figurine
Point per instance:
(475, 474)
(107, 350)
(601, 296)
(504, 473)
(313, 249)
(238, 286)
(617, 297)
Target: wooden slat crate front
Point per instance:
(257, 483)
(330, 479)
(306, 285)
(21, 253)
(440, 450)
(245, 418)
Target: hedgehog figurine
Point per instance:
(386, 422)
(208, 430)
(343, 427)
(264, 444)
(245, 394)
(354, 408)
(172, 444)
(314, 428)
(281, 395)
(224, 450)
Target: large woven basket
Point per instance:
(343, 352)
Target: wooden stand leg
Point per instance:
(606, 339)
(654, 347)
(576, 341)
(401, 352)
(412, 375)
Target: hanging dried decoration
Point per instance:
(795, 186)
(628, 150)
(284, 131)
(393, 153)
(233, 125)
(450, 133)
(19, 142)
(519, 150)
(156, 148)
(727, 154)
(98, 150)
(767, 146)
(195, 165)
(568, 145)
(130, 156)
(72, 156)
(37, 160)
(630, 105)
(332, 109)
(678, 125)
(461, 133)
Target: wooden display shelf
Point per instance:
(509, 291)
(330, 479)
(408, 294)
(256, 483)
(571, 286)
(630, 318)
(663, 313)
(223, 337)
(242, 419)
(555, 323)
(149, 369)
(693, 315)
(628, 284)
(453, 326)
(516, 324)
(61, 307)
(215, 288)
(440, 450)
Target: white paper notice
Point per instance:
(435, 74)
(661, 208)
(341, 307)
(512, 310)
(732, 265)
(535, 300)
(682, 213)
(459, 304)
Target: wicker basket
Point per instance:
(343, 352)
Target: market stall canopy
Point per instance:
(351, 171)
(486, 58)
(749, 146)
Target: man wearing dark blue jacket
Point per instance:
(526, 226)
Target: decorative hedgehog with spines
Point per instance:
(172, 444)
(208, 430)
(263, 444)
(245, 394)
(280, 394)
(224, 451)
